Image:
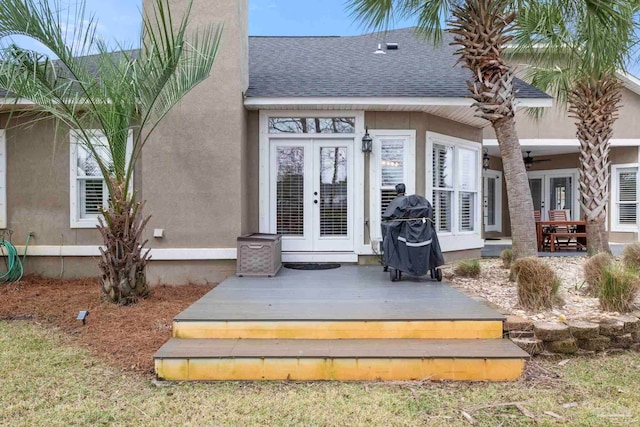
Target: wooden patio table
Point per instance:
(579, 226)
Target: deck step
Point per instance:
(336, 329)
(397, 359)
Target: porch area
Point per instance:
(350, 323)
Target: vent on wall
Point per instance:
(392, 46)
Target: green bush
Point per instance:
(593, 269)
(507, 258)
(537, 283)
(618, 288)
(470, 268)
(631, 256)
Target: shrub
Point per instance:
(631, 256)
(618, 288)
(469, 268)
(537, 283)
(507, 258)
(593, 269)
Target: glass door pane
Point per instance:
(537, 186)
(490, 201)
(334, 195)
(290, 182)
(561, 194)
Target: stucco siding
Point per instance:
(555, 122)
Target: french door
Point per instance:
(555, 190)
(492, 183)
(311, 194)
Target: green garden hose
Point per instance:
(14, 265)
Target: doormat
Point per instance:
(312, 266)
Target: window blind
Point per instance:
(391, 169)
(627, 197)
(290, 191)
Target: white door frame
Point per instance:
(546, 176)
(497, 175)
(358, 180)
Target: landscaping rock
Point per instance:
(636, 336)
(611, 327)
(550, 331)
(583, 330)
(568, 346)
(515, 323)
(631, 323)
(532, 346)
(521, 334)
(622, 341)
(595, 344)
(635, 346)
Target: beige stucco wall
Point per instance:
(194, 167)
(38, 182)
(555, 123)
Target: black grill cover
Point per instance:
(410, 246)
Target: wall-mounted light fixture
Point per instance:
(367, 142)
(485, 159)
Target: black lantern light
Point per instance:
(367, 142)
(485, 160)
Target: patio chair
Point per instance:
(560, 215)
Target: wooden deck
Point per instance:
(351, 323)
(346, 293)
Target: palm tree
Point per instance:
(576, 55)
(481, 29)
(132, 93)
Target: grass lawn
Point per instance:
(46, 380)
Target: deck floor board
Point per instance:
(399, 348)
(347, 293)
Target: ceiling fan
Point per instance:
(529, 161)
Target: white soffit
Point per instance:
(456, 109)
(550, 147)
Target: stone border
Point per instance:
(574, 336)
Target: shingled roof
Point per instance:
(347, 67)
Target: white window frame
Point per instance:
(456, 240)
(74, 196)
(375, 173)
(615, 198)
(497, 175)
(3, 179)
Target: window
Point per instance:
(89, 191)
(312, 125)
(392, 162)
(624, 215)
(455, 176)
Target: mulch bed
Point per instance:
(127, 336)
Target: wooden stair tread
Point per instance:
(353, 348)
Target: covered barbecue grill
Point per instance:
(410, 243)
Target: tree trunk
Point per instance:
(123, 258)
(523, 231)
(482, 29)
(594, 103)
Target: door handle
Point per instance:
(315, 201)
(315, 193)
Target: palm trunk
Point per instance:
(523, 232)
(481, 29)
(594, 103)
(123, 258)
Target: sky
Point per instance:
(120, 19)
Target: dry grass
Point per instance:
(537, 283)
(507, 258)
(631, 256)
(618, 288)
(470, 268)
(593, 270)
(48, 382)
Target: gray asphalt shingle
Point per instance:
(347, 67)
